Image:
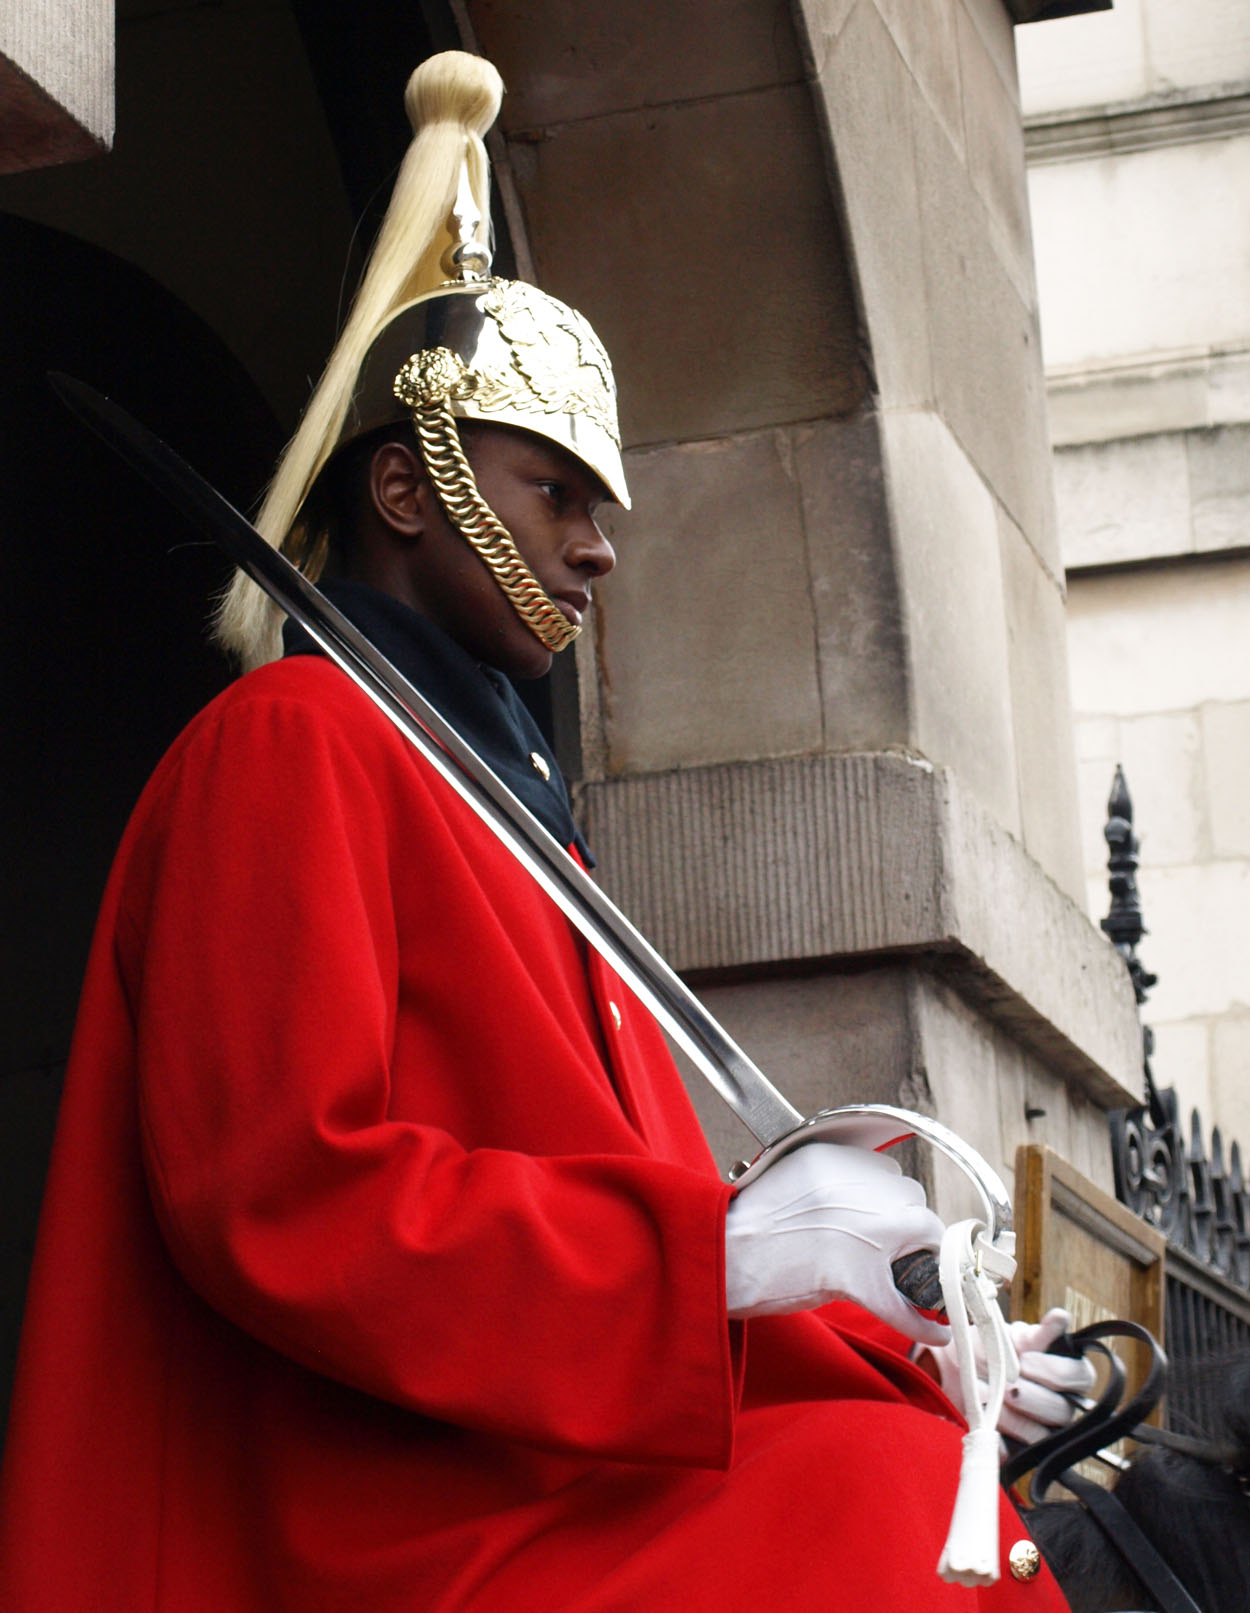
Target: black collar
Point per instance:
(479, 702)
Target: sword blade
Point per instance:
(732, 1074)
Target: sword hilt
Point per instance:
(878, 1126)
(916, 1278)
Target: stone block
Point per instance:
(820, 23)
(1097, 739)
(987, 363)
(862, 661)
(56, 82)
(867, 94)
(1041, 712)
(598, 59)
(956, 1050)
(1196, 46)
(1161, 755)
(790, 862)
(1219, 485)
(1230, 1080)
(927, 40)
(991, 21)
(1085, 61)
(898, 1035)
(1164, 640)
(1140, 253)
(1197, 945)
(951, 587)
(1108, 402)
(1226, 777)
(1121, 501)
(739, 311)
(995, 153)
(707, 641)
(1229, 389)
(823, 1040)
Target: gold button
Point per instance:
(1024, 1560)
(616, 1015)
(540, 764)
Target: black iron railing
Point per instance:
(1196, 1196)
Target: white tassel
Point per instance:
(970, 1556)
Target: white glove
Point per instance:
(824, 1223)
(1037, 1403)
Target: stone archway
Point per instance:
(103, 653)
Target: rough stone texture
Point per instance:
(896, 1034)
(1123, 501)
(952, 594)
(56, 81)
(1145, 397)
(1219, 486)
(1155, 496)
(994, 142)
(758, 865)
(1041, 712)
(866, 94)
(985, 344)
(991, 21)
(615, 58)
(823, 1039)
(860, 640)
(983, 1085)
(707, 639)
(926, 39)
(739, 312)
(940, 252)
(822, 23)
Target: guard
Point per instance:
(383, 1265)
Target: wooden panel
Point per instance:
(1076, 1246)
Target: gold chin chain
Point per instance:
(453, 481)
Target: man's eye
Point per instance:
(553, 490)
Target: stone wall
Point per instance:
(826, 742)
(1139, 140)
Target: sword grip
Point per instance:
(916, 1278)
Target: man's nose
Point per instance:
(590, 551)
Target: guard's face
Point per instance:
(547, 499)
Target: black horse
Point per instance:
(1189, 1505)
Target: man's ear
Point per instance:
(399, 488)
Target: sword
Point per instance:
(775, 1123)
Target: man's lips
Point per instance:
(573, 606)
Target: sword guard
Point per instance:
(881, 1125)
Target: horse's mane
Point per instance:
(1194, 1509)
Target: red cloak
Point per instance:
(381, 1258)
